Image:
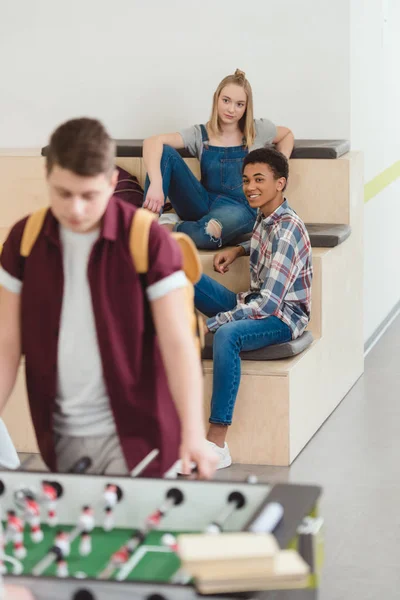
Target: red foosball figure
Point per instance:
(32, 517)
(15, 533)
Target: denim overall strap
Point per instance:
(204, 134)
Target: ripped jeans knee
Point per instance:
(206, 233)
(213, 229)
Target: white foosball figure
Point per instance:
(85, 545)
(62, 568)
(86, 524)
(112, 495)
(15, 534)
(108, 524)
(32, 517)
(62, 542)
(86, 520)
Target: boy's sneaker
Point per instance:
(224, 456)
(224, 460)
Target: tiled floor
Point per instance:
(355, 457)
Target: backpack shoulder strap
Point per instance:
(139, 238)
(32, 229)
(191, 260)
(139, 246)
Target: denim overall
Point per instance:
(218, 197)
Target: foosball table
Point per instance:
(74, 537)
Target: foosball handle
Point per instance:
(81, 466)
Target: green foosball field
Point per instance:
(155, 560)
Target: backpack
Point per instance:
(138, 244)
(128, 188)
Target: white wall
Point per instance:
(145, 66)
(375, 129)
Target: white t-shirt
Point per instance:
(82, 404)
(265, 134)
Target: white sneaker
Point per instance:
(169, 219)
(224, 461)
(224, 456)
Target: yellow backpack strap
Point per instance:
(139, 247)
(191, 260)
(139, 238)
(32, 229)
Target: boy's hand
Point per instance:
(154, 198)
(223, 259)
(199, 452)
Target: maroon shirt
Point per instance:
(133, 371)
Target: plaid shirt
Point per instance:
(280, 273)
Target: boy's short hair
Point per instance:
(277, 162)
(82, 146)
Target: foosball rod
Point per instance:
(138, 470)
(174, 497)
(236, 501)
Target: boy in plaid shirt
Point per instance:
(277, 306)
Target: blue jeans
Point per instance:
(196, 206)
(229, 340)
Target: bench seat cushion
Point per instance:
(321, 235)
(302, 148)
(275, 352)
(327, 235)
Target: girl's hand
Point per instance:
(154, 198)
